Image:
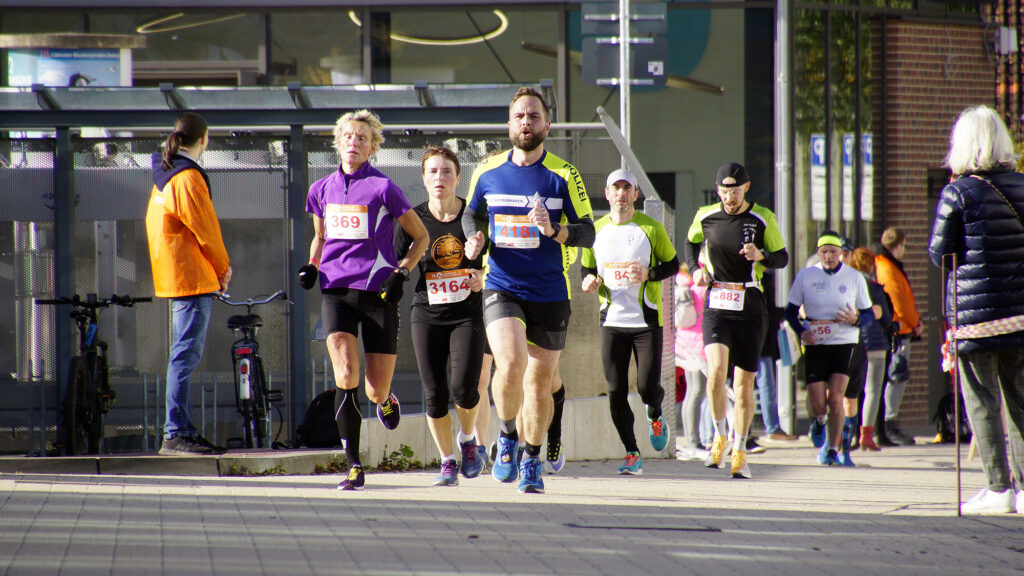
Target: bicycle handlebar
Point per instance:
(251, 301)
(77, 301)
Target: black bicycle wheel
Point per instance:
(259, 404)
(99, 396)
(76, 427)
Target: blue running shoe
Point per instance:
(659, 433)
(531, 480)
(472, 465)
(823, 454)
(818, 434)
(845, 459)
(481, 451)
(555, 459)
(634, 465)
(506, 465)
(390, 412)
(449, 475)
(831, 457)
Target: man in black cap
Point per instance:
(735, 240)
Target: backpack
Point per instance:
(686, 309)
(945, 421)
(318, 428)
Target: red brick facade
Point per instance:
(933, 71)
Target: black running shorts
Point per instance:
(345, 309)
(824, 360)
(546, 322)
(743, 335)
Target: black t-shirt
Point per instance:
(445, 254)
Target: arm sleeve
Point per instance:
(777, 259)
(664, 270)
(580, 233)
(866, 316)
(473, 222)
(691, 255)
(774, 247)
(793, 317)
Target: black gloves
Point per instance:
(391, 291)
(307, 276)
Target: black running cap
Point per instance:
(731, 174)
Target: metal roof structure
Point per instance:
(44, 107)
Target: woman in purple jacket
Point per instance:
(354, 213)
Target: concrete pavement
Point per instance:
(894, 513)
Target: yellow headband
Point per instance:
(829, 240)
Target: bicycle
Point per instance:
(88, 395)
(252, 397)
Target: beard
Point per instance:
(527, 143)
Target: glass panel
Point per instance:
(315, 48)
(808, 127)
(446, 46)
(192, 35)
(27, 341)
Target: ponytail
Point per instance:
(188, 129)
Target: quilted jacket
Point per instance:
(973, 222)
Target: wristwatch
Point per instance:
(557, 228)
(403, 271)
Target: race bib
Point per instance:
(515, 231)
(823, 330)
(447, 287)
(726, 296)
(615, 275)
(346, 222)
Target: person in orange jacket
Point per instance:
(190, 264)
(889, 273)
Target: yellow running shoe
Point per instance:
(739, 464)
(718, 446)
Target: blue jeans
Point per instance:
(190, 318)
(766, 389)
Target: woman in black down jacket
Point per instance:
(980, 223)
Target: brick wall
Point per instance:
(933, 71)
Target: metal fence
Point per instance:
(250, 184)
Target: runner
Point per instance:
(737, 240)
(532, 205)
(447, 318)
(836, 303)
(354, 213)
(632, 254)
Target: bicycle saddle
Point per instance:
(244, 321)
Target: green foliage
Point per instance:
(237, 470)
(334, 466)
(399, 460)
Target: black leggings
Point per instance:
(618, 347)
(433, 343)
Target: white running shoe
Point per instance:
(989, 502)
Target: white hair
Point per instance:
(979, 142)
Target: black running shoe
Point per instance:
(355, 479)
(390, 412)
